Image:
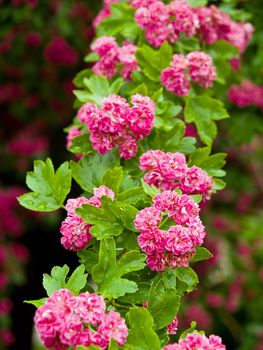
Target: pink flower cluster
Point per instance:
(74, 230)
(197, 341)
(246, 94)
(165, 22)
(112, 56)
(67, 320)
(104, 13)
(214, 24)
(118, 124)
(168, 171)
(59, 51)
(196, 66)
(172, 327)
(174, 247)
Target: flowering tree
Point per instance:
(142, 141)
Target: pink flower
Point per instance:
(91, 308)
(172, 347)
(185, 211)
(147, 219)
(174, 247)
(74, 203)
(128, 60)
(214, 24)
(103, 45)
(66, 321)
(113, 326)
(75, 233)
(111, 55)
(152, 241)
(74, 229)
(180, 62)
(196, 340)
(196, 181)
(6, 306)
(103, 191)
(201, 70)
(172, 327)
(108, 50)
(178, 240)
(142, 3)
(141, 116)
(175, 81)
(128, 148)
(246, 94)
(104, 13)
(183, 17)
(149, 159)
(116, 123)
(59, 51)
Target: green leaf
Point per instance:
(188, 276)
(153, 61)
(222, 50)
(151, 191)
(132, 195)
(78, 80)
(91, 57)
(201, 254)
(89, 257)
(211, 164)
(36, 303)
(174, 136)
(106, 220)
(85, 96)
(108, 272)
(163, 304)
(116, 86)
(113, 345)
(203, 111)
(58, 279)
(89, 170)
(77, 280)
(112, 178)
(141, 333)
(197, 3)
(218, 184)
(141, 89)
(138, 297)
(80, 144)
(98, 85)
(190, 330)
(127, 215)
(49, 188)
(120, 23)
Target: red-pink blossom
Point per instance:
(111, 56)
(67, 320)
(59, 51)
(196, 181)
(201, 70)
(172, 327)
(174, 246)
(117, 123)
(175, 81)
(246, 94)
